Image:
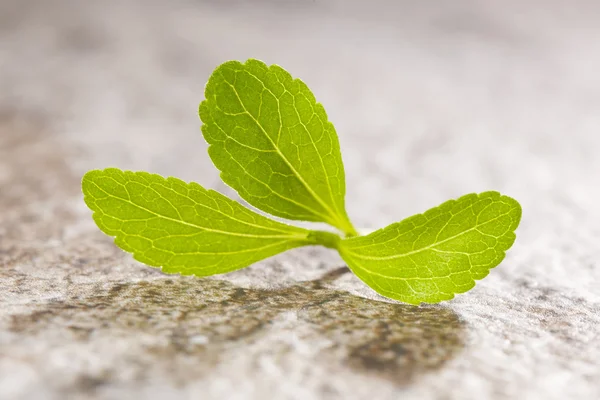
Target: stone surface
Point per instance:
(431, 100)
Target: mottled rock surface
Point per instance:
(431, 100)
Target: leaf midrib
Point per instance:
(208, 192)
(431, 246)
(276, 148)
(287, 215)
(303, 238)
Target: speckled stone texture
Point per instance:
(431, 100)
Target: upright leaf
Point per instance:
(183, 227)
(273, 143)
(429, 257)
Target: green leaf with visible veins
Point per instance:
(429, 257)
(183, 227)
(272, 142)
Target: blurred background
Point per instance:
(430, 99)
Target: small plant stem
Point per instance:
(327, 239)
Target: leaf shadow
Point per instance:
(193, 321)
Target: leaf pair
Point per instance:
(273, 144)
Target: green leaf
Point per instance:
(429, 257)
(183, 227)
(273, 143)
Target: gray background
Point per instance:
(431, 100)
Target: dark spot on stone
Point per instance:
(330, 277)
(238, 294)
(79, 332)
(86, 383)
(200, 318)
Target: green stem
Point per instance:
(327, 239)
(351, 232)
(346, 226)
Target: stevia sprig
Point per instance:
(274, 145)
